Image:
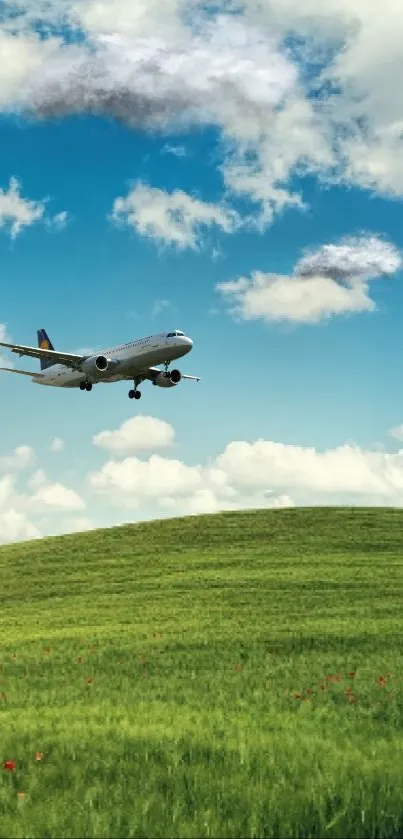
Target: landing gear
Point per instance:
(134, 394)
(85, 386)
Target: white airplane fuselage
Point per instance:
(128, 361)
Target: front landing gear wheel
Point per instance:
(134, 394)
(88, 386)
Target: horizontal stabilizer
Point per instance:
(22, 372)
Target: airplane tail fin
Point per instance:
(45, 343)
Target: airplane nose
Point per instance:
(189, 342)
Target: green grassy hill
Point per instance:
(218, 676)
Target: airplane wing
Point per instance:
(69, 359)
(152, 372)
(22, 372)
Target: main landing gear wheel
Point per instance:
(85, 386)
(134, 394)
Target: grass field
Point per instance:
(224, 676)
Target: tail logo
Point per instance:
(44, 345)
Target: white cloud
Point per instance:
(175, 487)
(57, 445)
(7, 490)
(270, 148)
(139, 433)
(16, 527)
(174, 218)
(57, 496)
(59, 221)
(136, 479)
(263, 473)
(332, 280)
(397, 432)
(22, 458)
(359, 47)
(176, 151)
(20, 55)
(14, 522)
(366, 258)
(37, 479)
(18, 212)
(36, 509)
(160, 78)
(142, 18)
(345, 470)
(166, 71)
(51, 495)
(327, 102)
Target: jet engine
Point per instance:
(168, 379)
(98, 364)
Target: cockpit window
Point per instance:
(174, 334)
(171, 335)
(177, 332)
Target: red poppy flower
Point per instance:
(352, 674)
(38, 755)
(298, 696)
(381, 681)
(90, 680)
(9, 765)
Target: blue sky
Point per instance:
(331, 383)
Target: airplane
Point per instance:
(135, 361)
